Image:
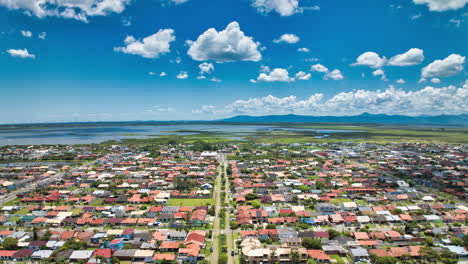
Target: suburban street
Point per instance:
(216, 224)
(30, 187)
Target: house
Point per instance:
(359, 254)
(41, 254)
(318, 255)
(326, 208)
(78, 255)
(115, 244)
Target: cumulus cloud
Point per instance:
(276, 75)
(319, 68)
(334, 75)
(370, 59)
(76, 9)
(282, 7)
(427, 101)
(381, 73)
(413, 56)
(287, 38)
(435, 80)
(227, 45)
(150, 47)
(21, 53)
(26, 33)
(182, 75)
(162, 74)
(305, 50)
(452, 65)
(303, 76)
(401, 81)
(442, 5)
(151, 73)
(42, 35)
(206, 67)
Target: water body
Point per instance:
(97, 134)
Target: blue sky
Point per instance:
(108, 60)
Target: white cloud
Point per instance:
(201, 77)
(178, 2)
(435, 80)
(151, 73)
(214, 79)
(155, 110)
(401, 81)
(42, 35)
(305, 50)
(206, 109)
(381, 73)
(227, 45)
(319, 68)
(282, 7)
(449, 66)
(264, 68)
(442, 5)
(206, 67)
(427, 101)
(150, 47)
(417, 16)
(456, 22)
(422, 80)
(276, 75)
(21, 53)
(288, 38)
(413, 56)
(126, 21)
(334, 75)
(26, 33)
(162, 74)
(182, 75)
(303, 76)
(73, 9)
(370, 59)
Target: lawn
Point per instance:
(339, 260)
(190, 202)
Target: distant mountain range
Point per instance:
(362, 118)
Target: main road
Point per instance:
(216, 224)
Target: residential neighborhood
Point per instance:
(251, 203)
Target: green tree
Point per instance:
(311, 243)
(386, 260)
(10, 243)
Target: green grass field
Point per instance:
(371, 133)
(190, 202)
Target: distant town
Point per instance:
(234, 203)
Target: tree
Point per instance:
(223, 258)
(333, 233)
(10, 243)
(311, 243)
(295, 257)
(386, 260)
(397, 211)
(251, 196)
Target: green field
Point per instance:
(190, 202)
(288, 133)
